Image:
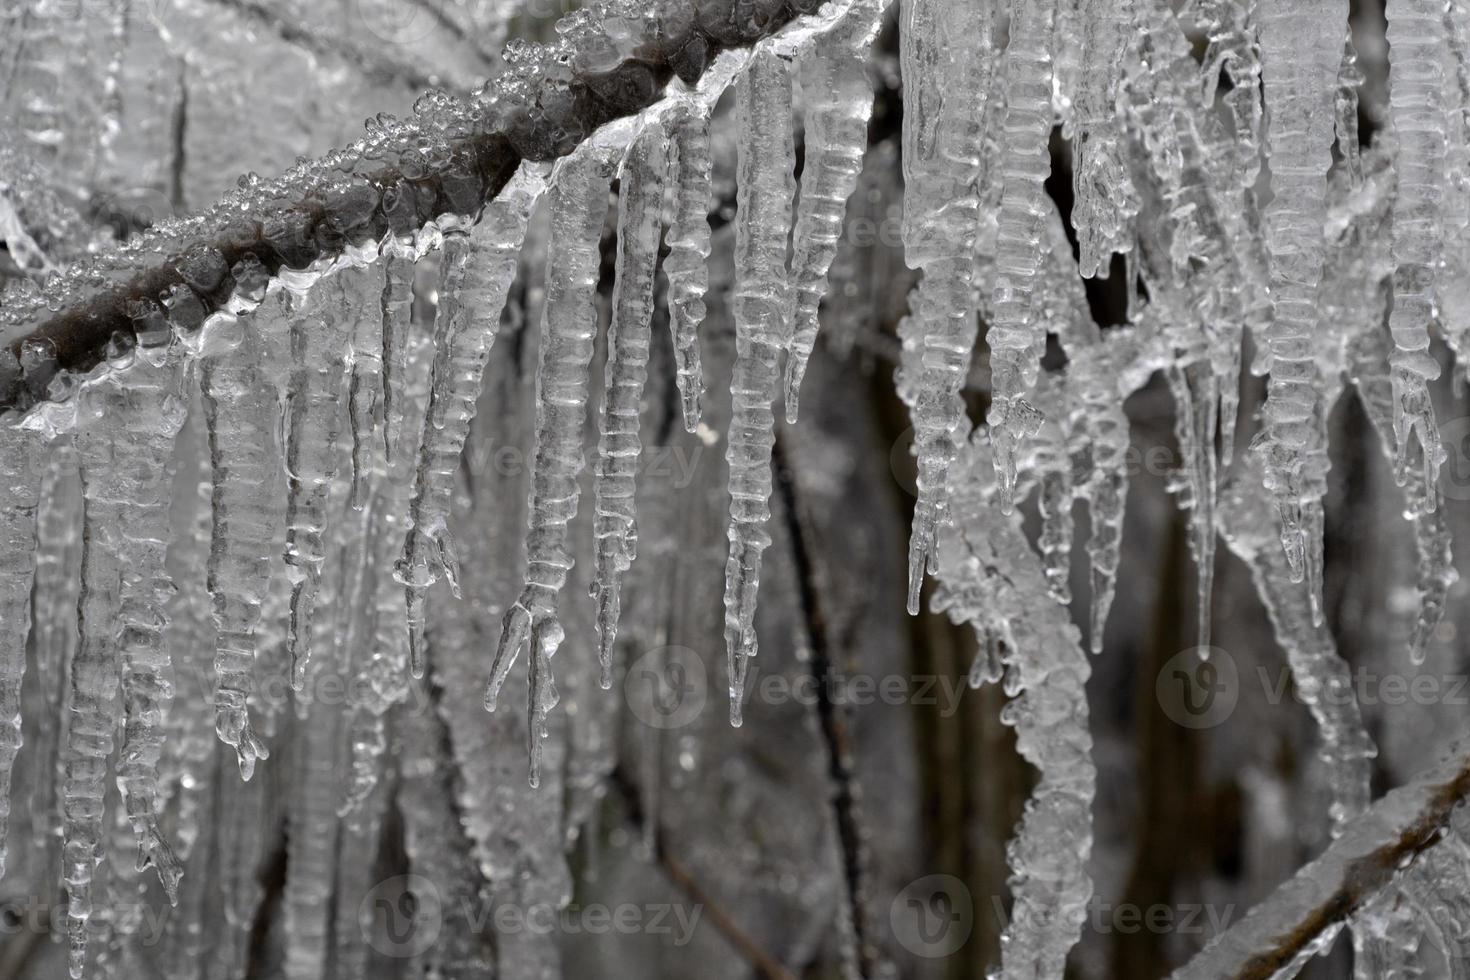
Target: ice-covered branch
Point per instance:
(452, 157)
(1306, 910)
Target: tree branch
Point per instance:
(1372, 852)
(385, 184)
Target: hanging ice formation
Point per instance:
(308, 360)
(578, 205)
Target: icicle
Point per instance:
(365, 398)
(20, 481)
(383, 679)
(1054, 465)
(1302, 55)
(311, 843)
(1016, 341)
(191, 743)
(1105, 200)
(687, 264)
(477, 268)
(240, 409)
(946, 47)
(58, 579)
(1321, 676)
(1349, 80)
(1195, 404)
(1418, 53)
(147, 671)
(762, 309)
(438, 852)
(640, 197)
(1368, 365)
(319, 324)
(837, 102)
(126, 426)
(1100, 415)
(579, 209)
(988, 571)
(396, 306)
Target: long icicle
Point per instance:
(1418, 52)
(20, 482)
(640, 198)
(838, 101)
(1015, 335)
(945, 47)
(569, 323)
(687, 264)
(761, 304)
(1301, 48)
(477, 268)
(145, 589)
(320, 325)
(127, 422)
(240, 410)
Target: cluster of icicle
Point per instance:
(313, 385)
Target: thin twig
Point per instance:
(832, 717)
